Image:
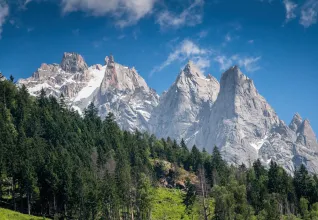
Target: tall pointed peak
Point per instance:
(296, 122)
(109, 60)
(305, 125)
(234, 72)
(234, 78)
(306, 134)
(73, 63)
(191, 70)
(306, 129)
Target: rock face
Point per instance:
(73, 63)
(67, 78)
(239, 121)
(177, 114)
(296, 122)
(112, 88)
(231, 115)
(127, 95)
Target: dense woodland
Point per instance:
(56, 163)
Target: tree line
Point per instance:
(56, 163)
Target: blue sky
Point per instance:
(273, 41)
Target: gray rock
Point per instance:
(178, 112)
(296, 122)
(126, 94)
(73, 63)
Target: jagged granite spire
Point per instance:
(109, 60)
(191, 69)
(296, 122)
(306, 135)
(126, 94)
(73, 63)
(239, 121)
(177, 114)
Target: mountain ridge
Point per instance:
(230, 114)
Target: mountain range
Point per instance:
(229, 114)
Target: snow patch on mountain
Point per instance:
(95, 82)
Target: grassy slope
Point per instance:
(6, 214)
(168, 204)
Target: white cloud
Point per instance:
(126, 12)
(250, 64)
(224, 62)
(188, 17)
(290, 9)
(309, 13)
(186, 50)
(306, 10)
(250, 41)
(202, 62)
(4, 12)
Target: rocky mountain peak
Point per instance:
(73, 63)
(305, 130)
(232, 77)
(191, 70)
(109, 60)
(296, 122)
(237, 86)
(304, 127)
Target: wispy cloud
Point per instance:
(224, 62)
(309, 13)
(250, 64)
(125, 12)
(306, 10)
(190, 16)
(186, 50)
(251, 41)
(290, 8)
(4, 13)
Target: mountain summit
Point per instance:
(231, 115)
(179, 109)
(73, 63)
